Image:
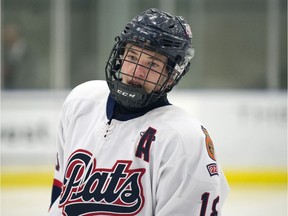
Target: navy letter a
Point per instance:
(145, 144)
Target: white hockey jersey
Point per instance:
(161, 163)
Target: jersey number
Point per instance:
(205, 199)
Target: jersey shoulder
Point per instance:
(177, 119)
(178, 125)
(94, 90)
(190, 134)
(85, 98)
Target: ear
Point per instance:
(170, 82)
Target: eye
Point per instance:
(131, 57)
(153, 64)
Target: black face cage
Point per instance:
(136, 96)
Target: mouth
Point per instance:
(135, 83)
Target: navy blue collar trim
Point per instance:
(118, 112)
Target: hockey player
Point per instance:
(123, 149)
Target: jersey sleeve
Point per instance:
(191, 181)
(59, 166)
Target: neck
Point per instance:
(119, 112)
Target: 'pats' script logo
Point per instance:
(88, 190)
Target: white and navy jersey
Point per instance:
(159, 163)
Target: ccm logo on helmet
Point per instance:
(126, 94)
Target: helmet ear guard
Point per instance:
(158, 32)
(115, 61)
(177, 75)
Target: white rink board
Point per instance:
(248, 127)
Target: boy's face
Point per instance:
(145, 68)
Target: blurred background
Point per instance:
(237, 86)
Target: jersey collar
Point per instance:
(118, 112)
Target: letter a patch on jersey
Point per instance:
(143, 148)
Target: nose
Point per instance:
(140, 71)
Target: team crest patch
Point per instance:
(212, 169)
(209, 144)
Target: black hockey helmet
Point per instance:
(161, 33)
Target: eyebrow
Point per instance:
(154, 57)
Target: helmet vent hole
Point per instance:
(169, 43)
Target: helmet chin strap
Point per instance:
(132, 97)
